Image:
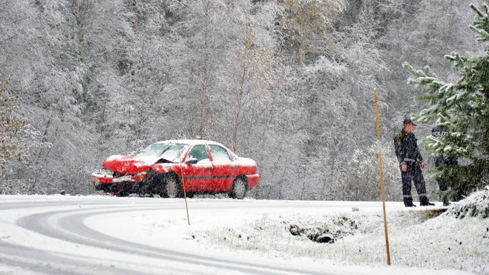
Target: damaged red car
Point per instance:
(167, 168)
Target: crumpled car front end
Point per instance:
(117, 183)
(123, 175)
(120, 174)
(102, 179)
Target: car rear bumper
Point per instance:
(252, 180)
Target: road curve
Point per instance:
(46, 235)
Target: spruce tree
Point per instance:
(463, 107)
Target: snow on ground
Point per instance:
(423, 240)
(418, 238)
(439, 243)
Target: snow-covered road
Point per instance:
(109, 235)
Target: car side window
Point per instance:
(199, 152)
(219, 154)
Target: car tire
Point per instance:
(171, 187)
(238, 191)
(121, 194)
(120, 191)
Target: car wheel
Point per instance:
(172, 187)
(119, 191)
(238, 191)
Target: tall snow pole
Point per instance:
(184, 192)
(183, 181)
(379, 146)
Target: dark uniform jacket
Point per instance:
(406, 146)
(441, 160)
(445, 161)
(439, 131)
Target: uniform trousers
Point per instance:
(415, 174)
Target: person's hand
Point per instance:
(404, 167)
(422, 165)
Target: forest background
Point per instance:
(288, 83)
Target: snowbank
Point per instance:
(477, 204)
(419, 238)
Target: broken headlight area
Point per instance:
(105, 172)
(118, 177)
(140, 176)
(102, 176)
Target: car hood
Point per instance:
(129, 164)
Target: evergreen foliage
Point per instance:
(463, 107)
(477, 204)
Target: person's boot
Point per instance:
(423, 201)
(408, 202)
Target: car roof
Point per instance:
(194, 142)
(190, 141)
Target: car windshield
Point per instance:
(168, 151)
(175, 152)
(154, 150)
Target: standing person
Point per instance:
(411, 162)
(441, 160)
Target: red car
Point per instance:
(167, 167)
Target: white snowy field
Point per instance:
(111, 235)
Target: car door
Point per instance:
(197, 176)
(224, 169)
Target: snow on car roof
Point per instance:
(190, 141)
(194, 142)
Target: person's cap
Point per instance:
(409, 121)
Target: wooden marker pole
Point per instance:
(379, 145)
(184, 193)
(183, 182)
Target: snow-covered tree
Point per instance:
(361, 178)
(306, 26)
(250, 70)
(205, 31)
(102, 77)
(11, 130)
(463, 107)
(138, 109)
